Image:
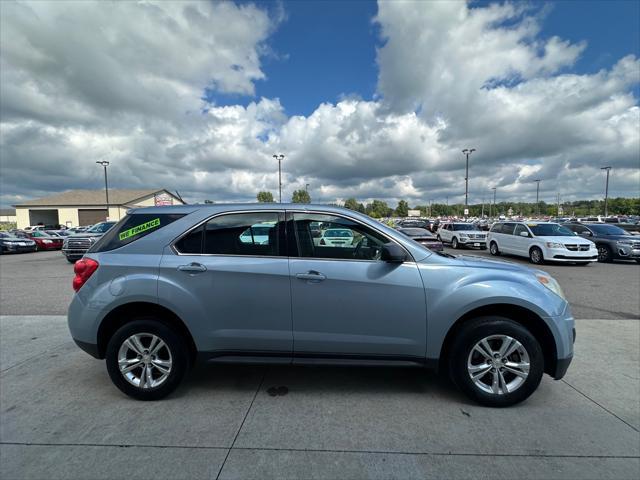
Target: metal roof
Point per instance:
(93, 197)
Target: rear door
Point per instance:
(348, 303)
(231, 278)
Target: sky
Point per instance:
(364, 99)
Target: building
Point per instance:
(7, 215)
(86, 207)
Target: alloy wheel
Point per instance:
(145, 360)
(498, 364)
(603, 253)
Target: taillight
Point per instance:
(83, 269)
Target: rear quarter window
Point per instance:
(132, 228)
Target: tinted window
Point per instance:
(507, 228)
(253, 233)
(416, 232)
(577, 228)
(132, 228)
(192, 242)
(496, 228)
(359, 243)
(101, 227)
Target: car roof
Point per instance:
(230, 207)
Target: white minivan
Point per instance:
(541, 241)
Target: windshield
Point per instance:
(464, 226)
(549, 230)
(101, 227)
(608, 230)
(416, 232)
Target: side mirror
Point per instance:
(524, 234)
(393, 253)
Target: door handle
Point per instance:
(193, 268)
(311, 275)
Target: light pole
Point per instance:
(105, 164)
(494, 201)
(466, 152)
(537, 197)
(606, 192)
(279, 158)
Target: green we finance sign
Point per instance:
(138, 229)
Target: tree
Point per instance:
(353, 204)
(301, 196)
(378, 209)
(402, 210)
(265, 197)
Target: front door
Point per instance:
(346, 302)
(231, 281)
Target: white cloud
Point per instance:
(126, 83)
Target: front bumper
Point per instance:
(473, 242)
(18, 248)
(565, 255)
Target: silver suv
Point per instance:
(254, 284)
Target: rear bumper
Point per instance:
(90, 348)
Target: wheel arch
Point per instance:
(525, 317)
(128, 312)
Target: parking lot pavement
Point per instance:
(60, 417)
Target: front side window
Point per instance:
(340, 238)
(519, 229)
(496, 228)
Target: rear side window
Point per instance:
(132, 228)
(252, 234)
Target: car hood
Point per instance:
(618, 237)
(85, 235)
(562, 239)
(482, 262)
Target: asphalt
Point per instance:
(60, 416)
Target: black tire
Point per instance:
(604, 254)
(454, 243)
(535, 256)
(493, 249)
(70, 260)
(175, 345)
(473, 332)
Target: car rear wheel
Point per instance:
(604, 254)
(493, 249)
(146, 359)
(536, 257)
(454, 243)
(496, 361)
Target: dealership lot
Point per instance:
(61, 417)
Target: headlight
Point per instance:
(554, 245)
(47, 241)
(626, 243)
(464, 237)
(551, 284)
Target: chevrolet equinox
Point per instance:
(168, 286)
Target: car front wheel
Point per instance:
(496, 361)
(535, 255)
(493, 249)
(454, 243)
(146, 359)
(604, 254)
